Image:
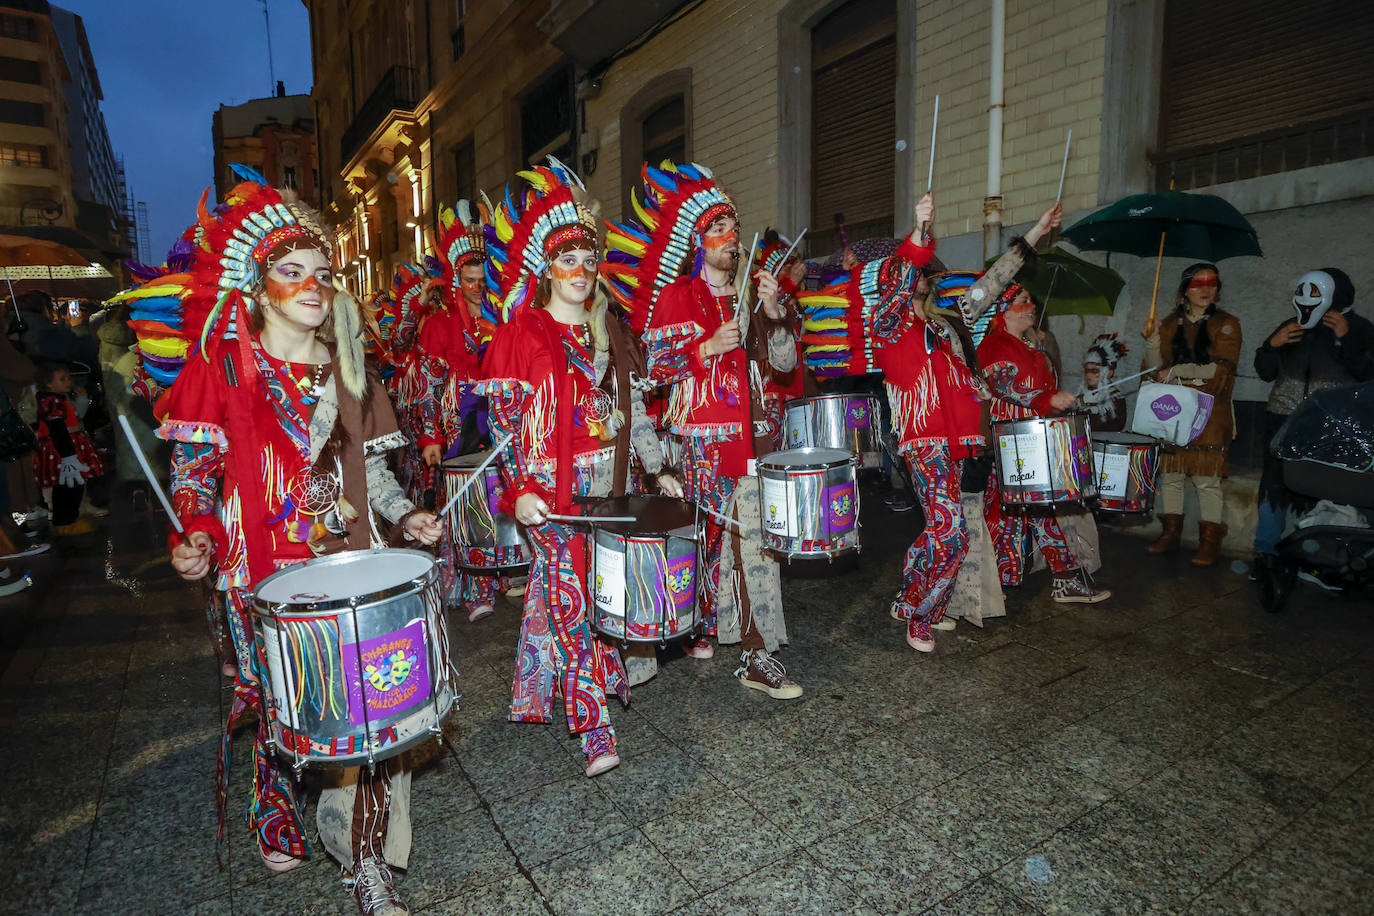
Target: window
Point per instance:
(24, 154)
(664, 132)
(465, 169)
(21, 28)
(546, 120)
(30, 113)
(288, 177)
(1290, 86)
(17, 70)
(459, 36)
(853, 122)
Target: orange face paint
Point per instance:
(717, 242)
(566, 273)
(1204, 280)
(471, 283)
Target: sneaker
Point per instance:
(276, 861)
(918, 636)
(480, 611)
(1073, 589)
(375, 889)
(18, 585)
(1313, 579)
(81, 526)
(700, 648)
(900, 502)
(598, 746)
(516, 591)
(946, 623)
(761, 671)
(40, 514)
(32, 550)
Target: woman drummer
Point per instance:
(564, 390)
(1024, 385)
(279, 455)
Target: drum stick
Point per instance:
(724, 518)
(1109, 386)
(801, 235)
(742, 304)
(934, 126)
(148, 473)
(448, 507)
(1064, 169)
(591, 519)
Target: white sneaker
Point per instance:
(375, 889)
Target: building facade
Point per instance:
(810, 109)
(36, 177)
(276, 136)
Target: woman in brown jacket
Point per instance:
(1198, 345)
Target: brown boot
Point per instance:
(1168, 540)
(1209, 537)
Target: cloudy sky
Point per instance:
(165, 66)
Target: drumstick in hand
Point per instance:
(473, 476)
(148, 473)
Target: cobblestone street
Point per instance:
(1175, 748)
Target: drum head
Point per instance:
(659, 515)
(1125, 439)
(806, 458)
(353, 573)
(466, 462)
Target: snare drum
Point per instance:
(357, 656)
(644, 573)
(1126, 465)
(1044, 461)
(848, 422)
(810, 503)
(485, 539)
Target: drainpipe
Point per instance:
(992, 203)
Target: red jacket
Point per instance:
(1020, 376)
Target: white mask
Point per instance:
(1313, 296)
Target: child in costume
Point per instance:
(564, 384)
(1106, 406)
(673, 271)
(280, 436)
(65, 458)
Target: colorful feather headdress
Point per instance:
(462, 236)
(527, 230)
(205, 290)
(1106, 350)
(645, 254)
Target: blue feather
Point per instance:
(247, 172)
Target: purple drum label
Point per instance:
(840, 506)
(493, 483)
(681, 584)
(394, 674)
(1082, 460)
(1204, 413)
(1166, 407)
(857, 415)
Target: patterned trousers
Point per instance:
(1009, 530)
(932, 562)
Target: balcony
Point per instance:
(397, 90)
(590, 31)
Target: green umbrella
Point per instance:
(1068, 285)
(1203, 227)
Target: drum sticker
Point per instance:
(394, 673)
(1082, 459)
(493, 489)
(610, 582)
(1113, 470)
(779, 517)
(682, 585)
(839, 507)
(857, 415)
(1024, 460)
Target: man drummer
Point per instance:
(279, 445)
(1024, 385)
(714, 357)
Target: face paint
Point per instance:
(1313, 296)
(562, 272)
(1204, 280)
(717, 242)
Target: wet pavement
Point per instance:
(1175, 749)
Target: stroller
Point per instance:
(1326, 449)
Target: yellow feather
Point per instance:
(163, 346)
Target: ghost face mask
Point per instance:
(1313, 296)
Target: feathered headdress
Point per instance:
(1106, 351)
(645, 254)
(205, 291)
(527, 230)
(462, 235)
(846, 323)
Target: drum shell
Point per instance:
(1055, 460)
(484, 537)
(809, 500)
(847, 422)
(299, 636)
(1134, 458)
(644, 583)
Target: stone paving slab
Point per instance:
(1175, 749)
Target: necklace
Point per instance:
(307, 385)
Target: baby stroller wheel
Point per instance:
(1276, 580)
